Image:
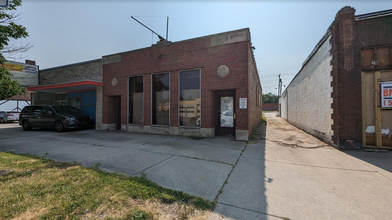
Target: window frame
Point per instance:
(144, 95)
(80, 102)
(151, 98)
(179, 99)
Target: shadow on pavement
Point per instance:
(382, 160)
(243, 195)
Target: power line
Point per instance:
(273, 75)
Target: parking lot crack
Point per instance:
(154, 165)
(231, 171)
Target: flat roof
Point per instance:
(66, 87)
(72, 64)
(182, 41)
(374, 15)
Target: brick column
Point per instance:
(346, 82)
(174, 88)
(147, 99)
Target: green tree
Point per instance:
(10, 30)
(270, 98)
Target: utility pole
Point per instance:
(280, 86)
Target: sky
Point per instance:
(283, 32)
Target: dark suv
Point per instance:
(58, 117)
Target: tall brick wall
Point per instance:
(308, 96)
(350, 34)
(347, 81)
(206, 53)
(254, 94)
(90, 70)
(375, 31)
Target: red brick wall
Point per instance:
(346, 82)
(186, 55)
(254, 94)
(375, 31)
(270, 106)
(348, 37)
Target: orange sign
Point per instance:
(14, 67)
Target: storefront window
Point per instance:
(190, 98)
(136, 100)
(160, 99)
(75, 102)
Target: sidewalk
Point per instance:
(287, 174)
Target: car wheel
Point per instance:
(1, 120)
(58, 126)
(26, 126)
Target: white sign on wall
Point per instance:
(243, 103)
(24, 74)
(386, 94)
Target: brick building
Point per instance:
(204, 86)
(336, 94)
(78, 85)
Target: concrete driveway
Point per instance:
(287, 174)
(283, 173)
(198, 167)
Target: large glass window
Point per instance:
(160, 99)
(136, 100)
(190, 98)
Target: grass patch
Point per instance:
(37, 188)
(196, 137)
(263, 119)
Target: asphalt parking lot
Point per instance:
(269, 177)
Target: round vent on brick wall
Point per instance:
(114, 82)
(223, 71)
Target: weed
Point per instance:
(139, 215)
(97, 166)
(264, 119)
(143, 175)
(194, 137)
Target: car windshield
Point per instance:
(66, 109)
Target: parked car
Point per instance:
(9, 116)
(56, 116)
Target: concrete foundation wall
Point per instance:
(175, 131)
(306, 103)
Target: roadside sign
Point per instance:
(386, 94)
(3, 3)
(24, 74)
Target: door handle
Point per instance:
(234, 116)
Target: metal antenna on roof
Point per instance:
(167, 28)
(160, 37)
